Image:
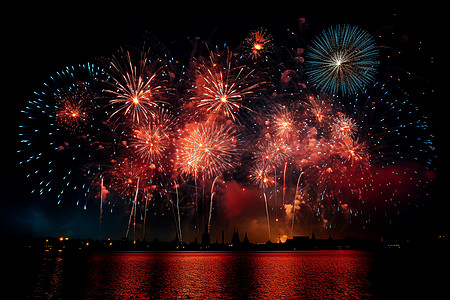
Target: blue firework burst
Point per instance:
(342, 60)
(59, 133)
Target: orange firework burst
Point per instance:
(319, 109)
(220, 88)
(152, 139)
(271, 153)
(343, 126)
(262, 176)
(72, 108)
(126, 175)
(209, 149)
(353, 151)
(284, 123)
(258, 44)
(135, 88)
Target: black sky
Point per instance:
(39, 40)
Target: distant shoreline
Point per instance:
(299, 243)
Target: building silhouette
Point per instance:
(235, 240)
(246, 241)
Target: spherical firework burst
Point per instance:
(134, 88)
(284, 123)
(343, 127)
(73, 108)
(152, 138)
(208, 149)
(258, 44)
(318, 109)
(353, 151)
(262, 176)
(150, 142)
(391, 126)
(271, 153)
(57, 143)
(342, 60)
(222, 87)
(128, 177)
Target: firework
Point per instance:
(152, 139)
(268, 156)
(150, 142)
(367, 137)
(284, 123)
(125, 176)
(73, 108)
(57, 141)
(222, 88)
(343, 127)
(134, 89)
(262, 176)
(258, 44)
(391, 126)
(319, 109)
(208, 149)
(342, 60)
(271, 153)
(353, 150)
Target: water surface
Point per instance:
(345, 274)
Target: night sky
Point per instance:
(38, 41)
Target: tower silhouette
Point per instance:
(235, 240)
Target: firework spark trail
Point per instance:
(260, 176)
(211, 202)
(275, 192)
(293, 204)
(133, 212)
(178, 213)
(101, 206)
(267, 215)
(145, 213)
